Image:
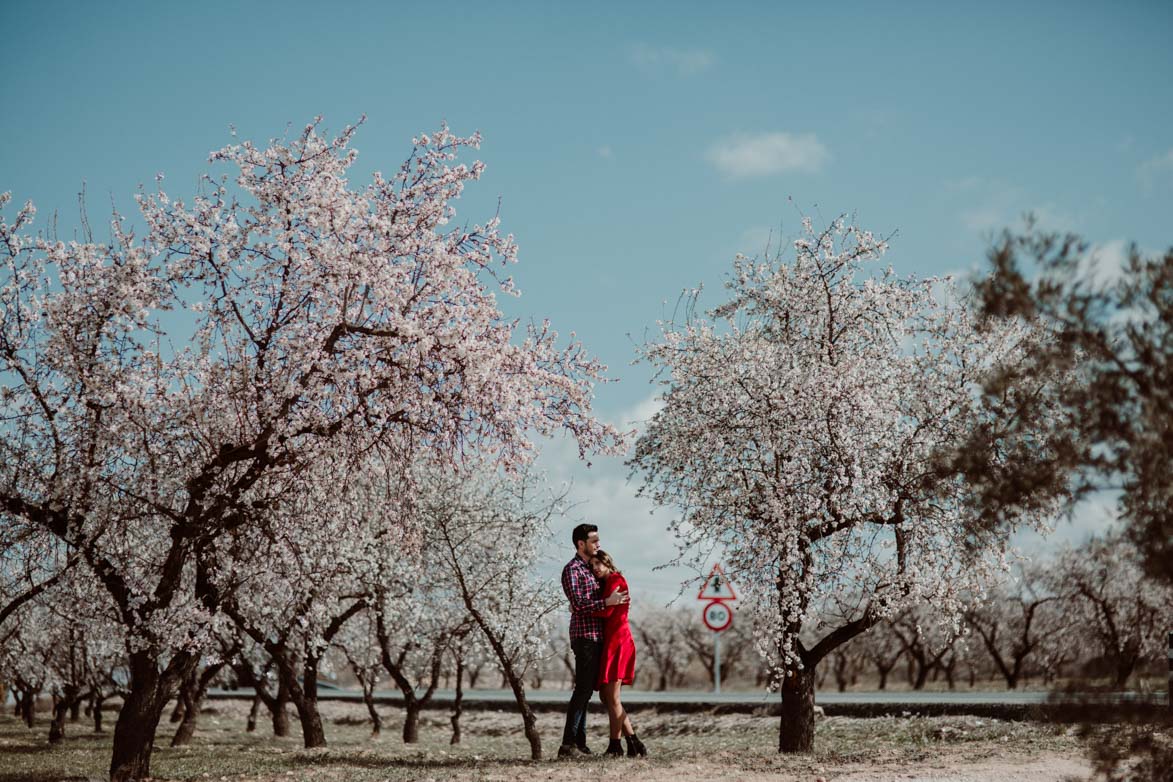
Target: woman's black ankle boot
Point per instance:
(614, 749)
(636, 747)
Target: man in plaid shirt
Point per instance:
(586, 634)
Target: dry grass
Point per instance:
(685, 748)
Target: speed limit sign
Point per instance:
(717, 616)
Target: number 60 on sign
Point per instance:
(717, 616)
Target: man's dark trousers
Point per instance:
(586, 673)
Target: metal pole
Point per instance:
(717, 661)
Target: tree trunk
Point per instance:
(304, 696)
(191, 713)
(28, 707)
(458, 703)
(280, 713)
(248, 677)
(75, 711)
(313, 734)
(69, 702)
(191, 695)
(528, 720)
(368, 697)
(840, 665)
(134, 732)
(96, 712)
(922, 675)
(1125, 664)
(251, 725)
(57, 724)
(395, 668)
(411, 721)
(796, 732)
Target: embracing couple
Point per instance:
(604, 651)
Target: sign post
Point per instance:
(716, 614)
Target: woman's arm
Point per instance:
(610, 585)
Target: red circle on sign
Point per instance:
(720, 619)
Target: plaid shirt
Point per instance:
(582, 590)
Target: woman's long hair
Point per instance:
(609, 563)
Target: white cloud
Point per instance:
(987, 217)
(606, 152)
(758, 242)
(1105, 262)
(1157, 170)
(1052, 218)
(764, 154)
(643, 412)
(994, 205)
(963, 184)
(684, 62)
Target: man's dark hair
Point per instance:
(581, 532)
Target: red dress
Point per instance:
(618, 660)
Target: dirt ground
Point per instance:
(684, 748)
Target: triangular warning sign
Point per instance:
(717, 586)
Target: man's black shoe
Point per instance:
(571, 751)
(584, 749)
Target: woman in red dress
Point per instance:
(617, 662)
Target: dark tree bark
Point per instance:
(150, 691)
(394, 665)
(368, 698)
(280, 712)
(27, 705)
(274, 703)
(797, 730)
(842, 670)
(69, 702)
(302, 692)
(458, 702)
(251, 724)
(1012, 664)
(191, 694)
(304, 696)
(96, 710)
(528, 720)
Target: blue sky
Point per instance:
(635, 147)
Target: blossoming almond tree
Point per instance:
(292, 578)
(418, 616)
(1024, 622)
(1115, 604)
(800, 432)
(489, 533)
(321, 315)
